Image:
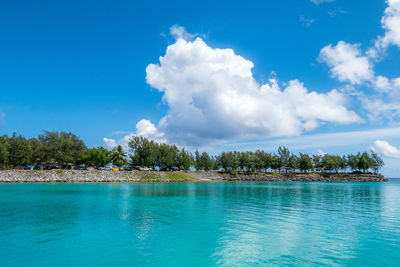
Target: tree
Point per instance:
(185, 160)
(244, 160)
(376, 162)
(353, 161)
(145, 152)
(275, 162)
(37, 151)
(97, 157)
(284, 155)
(4, 152)
(118, 156)
(61, 147)
(168, 156)
(266, 161)
(197, 161)
(206, 161)
(317, 161)
(293, 162)
(364, 162)
(20, 151)
(305, 162)
(229, 161)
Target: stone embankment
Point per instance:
(314, 177)
(73, 176)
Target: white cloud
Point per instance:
(347, 63)
(320, 152)
(385, 103)
(385, 149)
(213, 96)
(180, 32)
(147, 129)
(385, 85)
(391, 24)
(110, 143)
(318, 2)
(336, 12)
(143, 128)
(306, 22)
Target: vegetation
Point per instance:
(97, 157)
(66, 148)
(179, 176)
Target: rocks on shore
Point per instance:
(74, 176)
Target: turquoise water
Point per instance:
(200, 224)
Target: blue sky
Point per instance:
(83, 66)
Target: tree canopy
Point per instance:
(63, 147)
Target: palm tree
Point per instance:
(118, 155)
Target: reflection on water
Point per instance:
(200, 224)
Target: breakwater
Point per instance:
(73, 176)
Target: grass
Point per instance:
(150, 176)
(179, 176)
(169, 176)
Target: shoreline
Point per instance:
(74, 176)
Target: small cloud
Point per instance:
(318, 2)
(320, 152)
(385, 149)
(120, 132)
(110, 143)
(336, 12)
(306, 22)
(347, 63)
(143, 128)
(180, 32)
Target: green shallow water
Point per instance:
(200, 224)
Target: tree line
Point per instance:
(62, 148)
(54, 147)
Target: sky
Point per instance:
(318, 76)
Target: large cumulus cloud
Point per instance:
(213, 96)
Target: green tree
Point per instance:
(20, 151)
(206, 161)
(305, 162)
(185, 160)
(98, 157)
(168, 156)
(376, 162)
(275, 162)
(317, 161)
(293, 162)
(61, 147)
(353, 161)
(244, 160)
(145, 152)
(4, 152)
(365, 162)
(37, 151)
(118, 156)
(197, 161)
(284, 155)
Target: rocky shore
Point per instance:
(311, 177)
(72, 176)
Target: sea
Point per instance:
(200, 224)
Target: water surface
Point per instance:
(200, 224)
